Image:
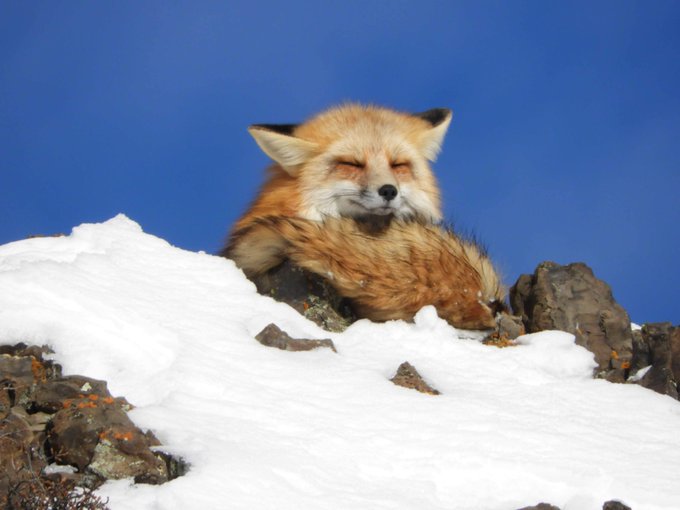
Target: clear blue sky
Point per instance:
(565, 143)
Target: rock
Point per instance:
(675, 353)
(111, 462)
(20, 453)
(570, 298)
(69, 420)
(18, 380)
(43, 368)
(510, 326)
(176, 466)
(22, 349)
(309, 294)
(273, 336)
(641, 357)
(408, 377)
(658, 345)
(615, 505)
(50, 396)
(540, 506)
(95, 434)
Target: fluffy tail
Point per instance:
(394, 273)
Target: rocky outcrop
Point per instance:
(308, 293)
(656, 358)
(570, 298)
(61, 431)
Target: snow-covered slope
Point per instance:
(173, 332)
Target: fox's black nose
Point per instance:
(388, 192)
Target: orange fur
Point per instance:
(336, 164)
(394, 273)
(323, 208)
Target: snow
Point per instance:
(173, 331)
(637, 376)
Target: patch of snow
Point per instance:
(173, 331)
(52, 469)
(639, 374)
(635, 327)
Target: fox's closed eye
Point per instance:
(353, 164)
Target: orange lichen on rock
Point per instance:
(38, 370)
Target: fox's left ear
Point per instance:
(432, 138)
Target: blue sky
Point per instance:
(565, 143)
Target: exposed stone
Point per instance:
(570, 298)
(22, 349)
(656, 345)
(176, 466)
(18, 380)
(113, 462)
(408, 377)
(46, 418)
(49, 397)
(309, 294)
(641, 357)
(95, 434)
(615, 505)
(273, 336)
(540, 506)
(510, 326)
(20, 454)
(675, 353)
(500, 341)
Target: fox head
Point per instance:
(361, 161)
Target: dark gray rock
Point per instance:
(510, 326)
(570, 298)
(540, 506)
(94, 433)
(675, 353)
(18, 381)
(49, 396)
(408, 377)
(309, 294)
(641, 356)
(49, 418)
(20, 454)
(273, 336)
(658, 345)
(615, 505)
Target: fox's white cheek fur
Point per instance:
(420, 203)
(326, 201)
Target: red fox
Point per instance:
(352, 191)
(394, 273)
(362, 162)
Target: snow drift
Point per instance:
(173, 331)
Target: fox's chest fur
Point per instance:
(352, 170)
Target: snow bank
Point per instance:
(173, 332)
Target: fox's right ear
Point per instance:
(278, 142)
(431, 140)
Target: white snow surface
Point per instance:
(173, 331)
